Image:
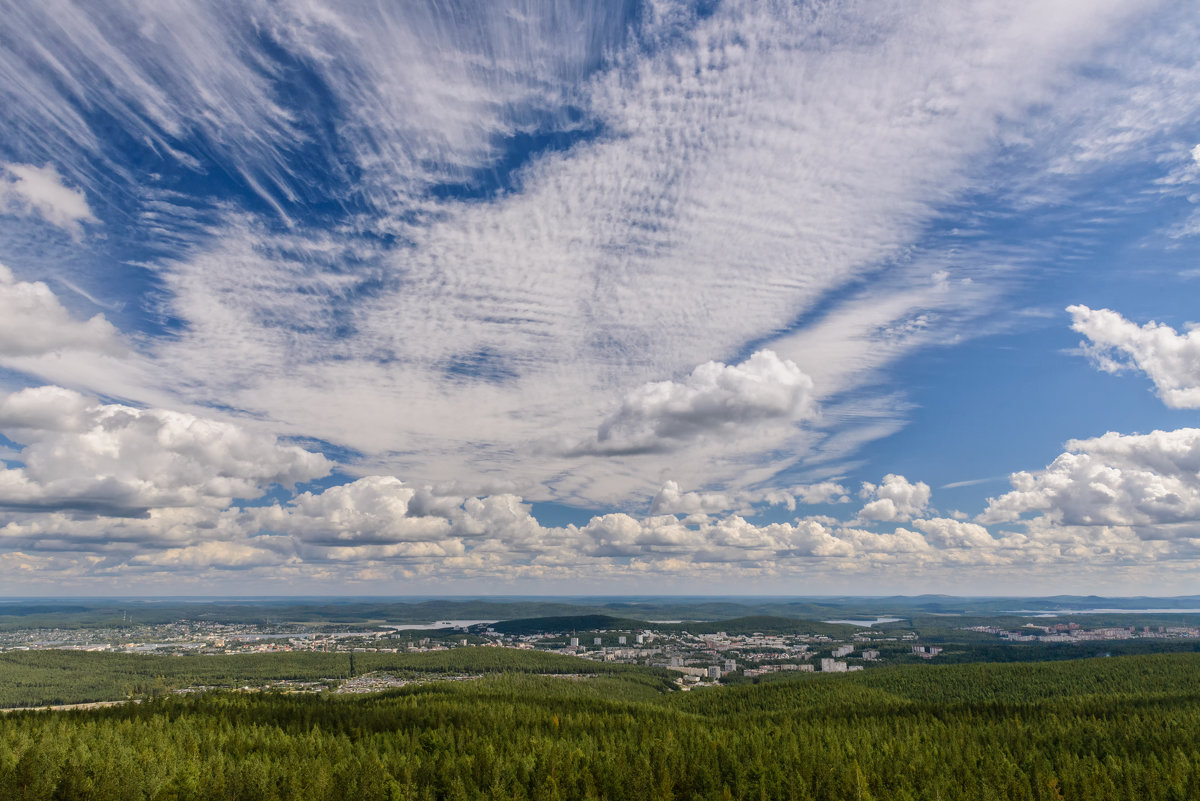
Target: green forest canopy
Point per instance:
(1121, 728)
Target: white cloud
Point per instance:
(942, 532)
(715, 400)
(750, 172)
(895, 499)
(719, 201)
(670, 499)
(730, 539)
(899, 541)
(199, 71)
(115, 540)
(1150, 481)
(40, 191)
(370, 511)
(503, 517)
(1145, 108)
(1189, 226)
(807, 542)
(379, 527)
(110, 459)
(33, 322)
(617, 535)
(380, 518)
(210, 554)
(823, 492)
(1170, 359)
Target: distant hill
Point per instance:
(567, 623)
(766, 624)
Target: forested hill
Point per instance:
(766, 624)
(567, 623)
(1114, 729)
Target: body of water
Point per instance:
(1062, 612)
(866, 623)
(442, 624)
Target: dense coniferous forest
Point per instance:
(1120, 728)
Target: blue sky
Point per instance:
(525, 297)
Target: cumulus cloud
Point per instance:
(381, 518)
(620, 534)
(211, 554)
(895, 499)
(120, 538)
(370, 511)
(379, 526)
(1170, 359)
(111, 459)
(40, 191)
(823, 492)
(730, 539)
(505, 517)
(733, 539)
(943, 532)
(715, 400)
(33, 322)
(889, 543)
(670, 499)
(1141, 480)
